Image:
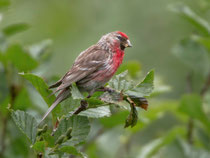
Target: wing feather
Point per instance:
(86, 63)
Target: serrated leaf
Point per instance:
(80, 129)
(26, 123)
(112, 97)
(201, 24)
(39, 146)
(14, 29)
(144, 88)
(69, 105)
(76, 93)
(132, 118)
(191, 104)
(43, 90)
(20, 59)
(94, 102)
(119, 83)
(102, 111)
(192, 55)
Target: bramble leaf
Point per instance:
(144, 88)
(43, 90)
(26, 123)
(20, 59)
(80, 129)
(15, 28)
(119, 83)
(76, 93)
(102, 111)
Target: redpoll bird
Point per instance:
(93, 68)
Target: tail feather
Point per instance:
(58, 83)
(61, 96)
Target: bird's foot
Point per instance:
(105, 89)
(83, 106)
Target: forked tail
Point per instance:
(61, 96)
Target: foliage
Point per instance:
(112, 123)
(70, 130)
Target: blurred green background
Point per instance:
(177, 123)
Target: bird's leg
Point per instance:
(105, 89)
(84, 104)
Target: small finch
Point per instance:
(93, 68)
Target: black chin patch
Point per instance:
(122, 47)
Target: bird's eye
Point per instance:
(119, 37)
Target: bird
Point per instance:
(93, 68)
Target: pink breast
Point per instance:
(117, 59)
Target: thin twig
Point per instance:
(190, 125)
(206, 86)
(83, 106)
(190, 131)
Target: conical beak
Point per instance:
(129, 43)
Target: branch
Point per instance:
(83, 106)
(206, 86)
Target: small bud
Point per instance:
(68, 133)
(43, 130)
(60, 139)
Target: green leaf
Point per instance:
(113, 97)
(49, 139)
(39, 146)
(75, 92)
(133, 68)
(205, 41)
(119, 83)
(4, 3)
(22, 101)
(102, 111)
(14, 29)
(193, 55)
(71, 150)
(201, 24)
(43, 90)
(80, 129)
(94, 102)
(4, 106)
(191, 104)
(144, 88)
(20, 59)
(3, 58)
(40, 50)
(26, 123)
(132, 118)
(69, 105)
